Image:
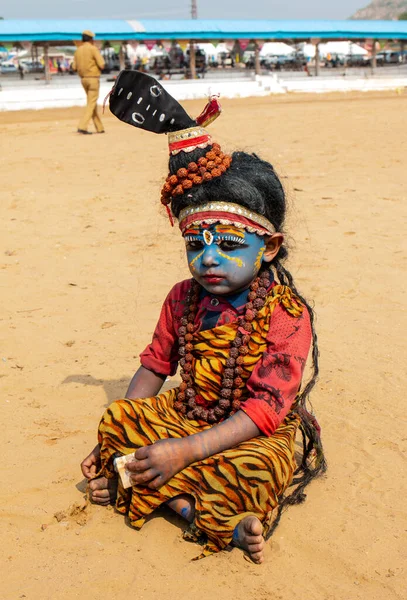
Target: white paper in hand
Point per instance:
(120, 466)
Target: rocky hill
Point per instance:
(381, 9)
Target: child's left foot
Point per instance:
(103, 491)
(249, 536)
(184, 505)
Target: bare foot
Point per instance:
(249, 536)
(103, 491)
(184, 506)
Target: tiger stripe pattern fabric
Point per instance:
(211, 347)
(246, 480)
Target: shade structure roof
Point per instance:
(199, 29)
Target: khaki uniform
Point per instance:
(88, 62)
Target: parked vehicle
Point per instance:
(225, 60)
(295, 62)
(388, 57)
(357, 60)
(278, 62)
(248, 58)
(159, 65)
(8, 67)
(177, 57)
(32, 66)
(112, 61)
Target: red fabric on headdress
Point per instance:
(219, 216)
(196, 141)
(211, 112)
(170, 217)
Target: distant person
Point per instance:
(306, 69)
(88, 62)
(21, 70)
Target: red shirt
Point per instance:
(274, 381)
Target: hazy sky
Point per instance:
(180, 9)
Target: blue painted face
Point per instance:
(224, 259)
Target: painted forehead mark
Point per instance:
(229, 230)
(192, 230)
(208, 237)
(219, 228)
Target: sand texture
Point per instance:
(86, 259)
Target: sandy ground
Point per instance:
(86, 259)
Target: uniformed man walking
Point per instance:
(88, 62)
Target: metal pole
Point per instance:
(374, 60)
(257, 67)
(122, 63)
(317, 59)
(192, 61)
(194, 9)
(47, 74)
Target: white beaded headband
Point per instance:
(225, 213)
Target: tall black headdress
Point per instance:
(140, 100)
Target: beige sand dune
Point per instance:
(87, 257)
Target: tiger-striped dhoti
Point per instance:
(246, 480)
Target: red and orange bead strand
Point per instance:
(213, 164)
(232, 382)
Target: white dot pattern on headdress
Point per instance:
(138, 118)
(155, 91)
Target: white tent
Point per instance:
(276, 49)
(344, 48)
(208, 48)
(212, 51)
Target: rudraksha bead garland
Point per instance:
(188, 402)
(213, 164)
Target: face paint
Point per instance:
(224, 259)
(235, 259)
(258, 261)
(193, 261)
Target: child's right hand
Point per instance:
(91, 464)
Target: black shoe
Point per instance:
(84, 132)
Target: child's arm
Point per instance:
(154, 465)
(145, 384)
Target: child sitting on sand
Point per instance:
(219, 448)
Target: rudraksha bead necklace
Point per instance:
(188, 401)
